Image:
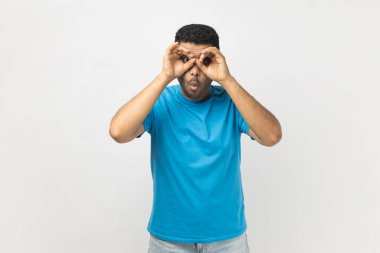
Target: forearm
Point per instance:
(127, 120)
(261, 121)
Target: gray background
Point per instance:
(67, 66)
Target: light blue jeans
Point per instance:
(237, 244)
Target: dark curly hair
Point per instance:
(197, 34)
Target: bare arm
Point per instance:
(127, 123)
(264, 126)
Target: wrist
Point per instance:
(165, 77)
(226, 80)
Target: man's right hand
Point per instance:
(173, 65)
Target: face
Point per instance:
(194, 83)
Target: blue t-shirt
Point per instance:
(195, 166)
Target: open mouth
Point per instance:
(194, 85)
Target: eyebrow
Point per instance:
(194, 51)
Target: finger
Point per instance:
(188, 55)
(178, 48)
(213, 50)
(209, 52)
(189, 64)
(178, 52)
(172, 47)
(206, 54)
(181, 50)
(201, 65)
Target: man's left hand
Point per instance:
(217, 70)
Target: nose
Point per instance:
(194, 70)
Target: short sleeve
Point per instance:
(148, 122)
(242, 124)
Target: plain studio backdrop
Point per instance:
(67, 66)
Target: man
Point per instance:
(195, 129)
